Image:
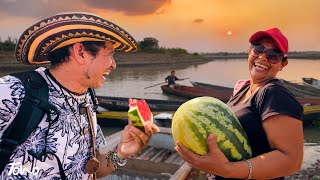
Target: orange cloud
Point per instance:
(44, 8)
(198, 21)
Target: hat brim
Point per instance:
(260, 34)
(65, 29)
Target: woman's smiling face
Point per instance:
(261, 70)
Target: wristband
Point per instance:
(114, 158)
(250, 169)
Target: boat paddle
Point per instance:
(163, 83)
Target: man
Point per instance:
(80, 48)
(171, 80)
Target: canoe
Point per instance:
(300, 90)
(304, 94)
(121, 104)
(192, 92)
(124, 114)
(120, 118)
(158, 160)
(311, 82)
(296, 89)
(311, 112)
(308, 111)
(210, 86)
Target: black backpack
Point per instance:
(33, 107)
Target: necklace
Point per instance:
(83, 130)
(48, 73)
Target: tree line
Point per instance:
(148, 44)
(8, 45)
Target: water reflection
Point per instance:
(131, 81)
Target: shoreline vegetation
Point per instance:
(146, 58)
(149, 54)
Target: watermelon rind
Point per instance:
(136, 118)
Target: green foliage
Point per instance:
(8, 45)
(151, 45)
(148, 43)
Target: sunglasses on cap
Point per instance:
(273, 56)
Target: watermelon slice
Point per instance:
(139, 113)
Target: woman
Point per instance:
(269, 114)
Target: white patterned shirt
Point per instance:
(69, 137)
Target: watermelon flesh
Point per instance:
(139, 113)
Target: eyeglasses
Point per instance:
(273, 56)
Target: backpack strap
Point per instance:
(93, 98)
(33, 107)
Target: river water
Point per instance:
(131, 81)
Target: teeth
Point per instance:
(261, 66)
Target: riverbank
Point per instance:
(8, 62)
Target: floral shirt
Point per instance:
(69, 138)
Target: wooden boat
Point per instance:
(301, 90)
(311, 112)
(309, 101)
(192, 92)
(210, 86)
(311, 82)
(124, 114)
(158, 160)
(121, 104)
(296, 89)
(120, 118)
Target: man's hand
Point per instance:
(133, 139)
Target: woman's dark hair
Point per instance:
(59, 56)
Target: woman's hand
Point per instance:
(133, 139)
(214, 162)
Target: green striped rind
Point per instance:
(136, 118)
(196, 119)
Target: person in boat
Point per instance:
(269, 114)
(171, 80)
(66, 143)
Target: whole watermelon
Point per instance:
(197, 118)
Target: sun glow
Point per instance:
(229, 32)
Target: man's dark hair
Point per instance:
(173, 71)
(59, 56)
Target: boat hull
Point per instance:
(192, 92)
(311, 82)
(121, 104)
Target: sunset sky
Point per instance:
(198, 26)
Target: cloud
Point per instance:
(131, 7)
(198, 21)
(162, 11)
(33, 8)
(43, 8)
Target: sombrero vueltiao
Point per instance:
(68, 28)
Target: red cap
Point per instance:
(276, 35)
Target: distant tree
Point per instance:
(8, 45)
(149, 43)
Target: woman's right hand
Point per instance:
(214, 162)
